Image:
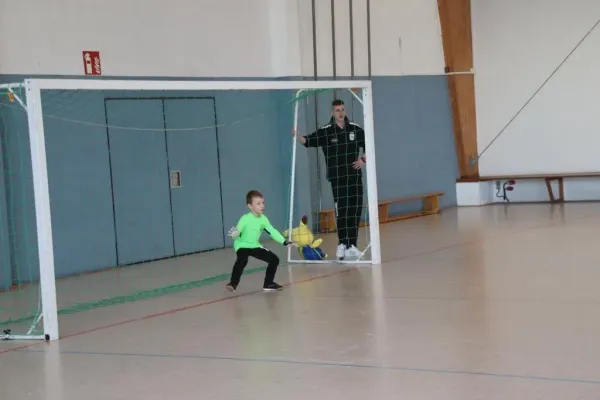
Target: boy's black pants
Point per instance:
(348, 197)
(259, 253)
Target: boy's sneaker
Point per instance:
(230, 287)
(272, 287)
(340, 251)
(352, 251)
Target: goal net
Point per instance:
(329, 173)
(117, 191)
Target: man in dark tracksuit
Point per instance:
(340, 141)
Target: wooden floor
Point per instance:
(500, 302)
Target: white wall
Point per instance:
(217, 38)
(405, 37)
(517, 45)
(177, 38)
(285, 38)
(526, 191)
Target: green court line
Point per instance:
(141, 295)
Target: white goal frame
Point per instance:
(33, 89)
(374, 244)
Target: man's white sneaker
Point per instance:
(340, 251)
(352, 251)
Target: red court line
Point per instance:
(219, 300)
(173, 311)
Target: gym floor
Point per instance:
(497, 302)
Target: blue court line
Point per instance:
(460, 299)
(326, 364)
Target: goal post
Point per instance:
(41, 195)
(29, 95)
(29, 99)
(373, 245)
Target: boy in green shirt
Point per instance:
(245, 243)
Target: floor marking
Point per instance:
(328, 364)
(168, 312)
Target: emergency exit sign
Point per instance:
(91, 63)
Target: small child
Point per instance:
(245, 243)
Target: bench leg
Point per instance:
(327, 222)
(561, 190)
(431, 204)
(383, 210)
(549, 188)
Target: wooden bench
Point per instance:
(548, 178)
(431, 205)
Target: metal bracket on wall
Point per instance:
(175, 179)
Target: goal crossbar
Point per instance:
(33, 88)
(125, 84)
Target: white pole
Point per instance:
(11, 85)
(293, 177)
(471, 72)
(116, 84)
(39, 166)
(17, 98)
(22, 337)
(371, 174)
(335, 262)
(355, 96)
